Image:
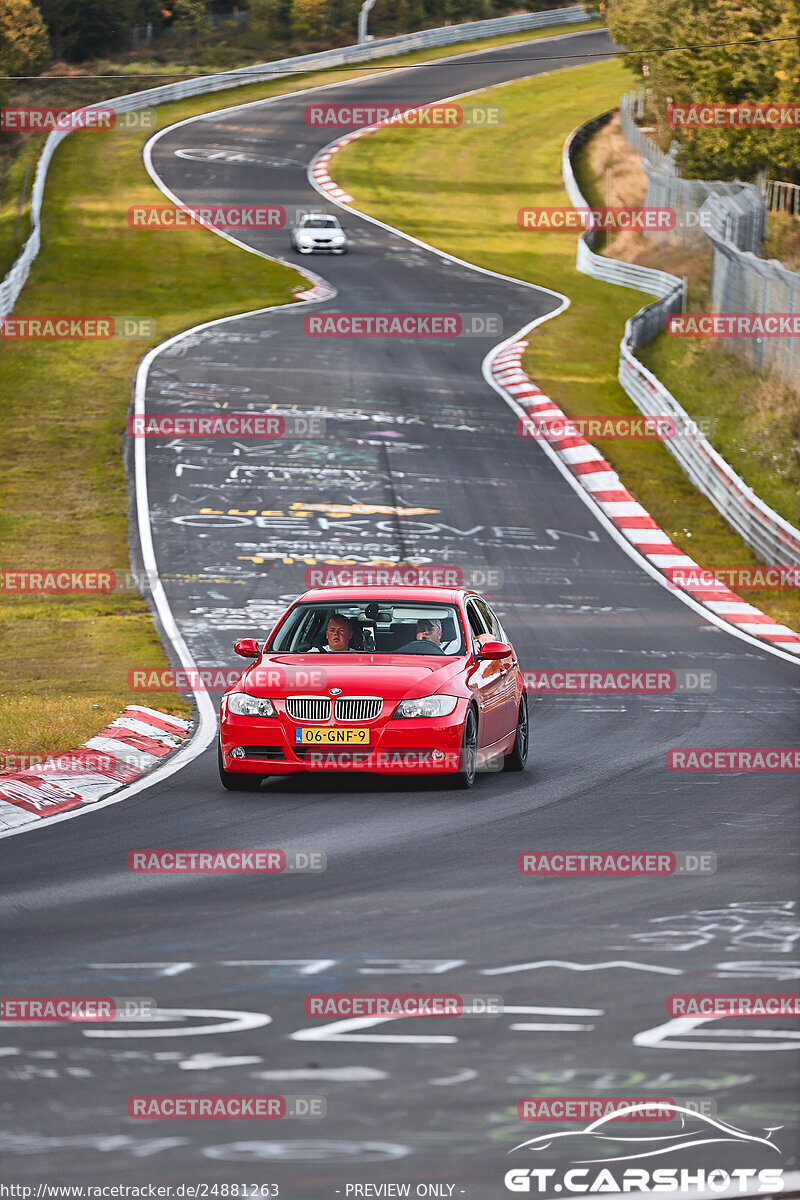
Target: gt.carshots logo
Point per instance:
(602, 1137)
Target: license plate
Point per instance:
(331, 737)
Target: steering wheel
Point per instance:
(422, 646)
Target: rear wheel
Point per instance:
(515, 760)
(234, 782)
(468, 758)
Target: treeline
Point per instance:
(74, 31)
(748, 70)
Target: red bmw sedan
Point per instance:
(398, 680)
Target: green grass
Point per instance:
(461, 191)
(17, 170)
(63, 495)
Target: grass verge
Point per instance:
(63, 497)
(463, 193)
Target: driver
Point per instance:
(429, 630)
(339, 634)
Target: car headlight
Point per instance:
(337, 239)
(304, 237)
(250, 706)
(427, 706)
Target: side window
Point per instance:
(501, 633)
(490, 620)
(477, 626)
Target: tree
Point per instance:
(84, 30)
(271, 18)
(190, 15)
(754, 71)
(24, 44)
(308, 18)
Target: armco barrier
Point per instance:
(14, 281)
(771, 537)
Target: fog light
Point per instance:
(437, 756)
(237, 752)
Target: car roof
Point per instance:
(434, 595)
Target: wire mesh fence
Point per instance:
(732, 218)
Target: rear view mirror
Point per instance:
(247, 647)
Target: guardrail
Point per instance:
(14, 281)
(771, 537)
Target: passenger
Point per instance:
(429, 630)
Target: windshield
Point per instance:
(320, 223)
(371, 627)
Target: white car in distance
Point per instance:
(319, 233)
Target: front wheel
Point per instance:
(515, 760)
(234, 782)
(468, 758)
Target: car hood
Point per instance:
(391, 676)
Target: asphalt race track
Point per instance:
(421, 890)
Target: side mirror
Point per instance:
(495, 650)
(247, 647)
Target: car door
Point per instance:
(508, 671)
(487, 679)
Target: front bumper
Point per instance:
(321, 247)
(421, 746)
